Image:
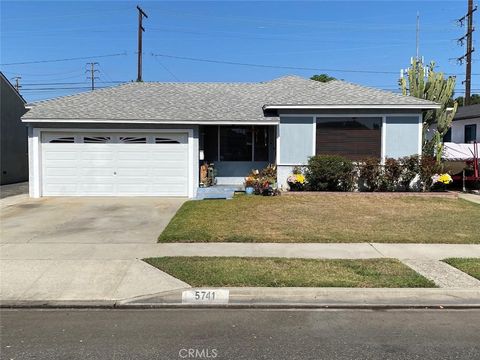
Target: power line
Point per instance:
(280, 66)
(66, 59)
(166, 69)
(63, 88)
(74, 83)
(271, 66)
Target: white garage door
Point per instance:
(115, 164)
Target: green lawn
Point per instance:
(326, 218)
(471, 266)
(281, 272)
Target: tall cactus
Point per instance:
(431, 85)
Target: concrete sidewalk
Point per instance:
(470, 197)
(81, 280)
(129, 251)
(112, 272)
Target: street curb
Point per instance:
(284, 298)
(37, 305)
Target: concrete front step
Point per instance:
(217, 192)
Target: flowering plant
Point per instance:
(250, 181)
(296, 182)
(442, 178)
(296, 179)
(264, 182)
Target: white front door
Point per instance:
(115, 164)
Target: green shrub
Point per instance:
(392, 172)
(371, 174)
(330, 173)
(428, 168)
(410, 169)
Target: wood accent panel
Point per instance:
(354, 144)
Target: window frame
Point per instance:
(470, 126)
(252, 157)
(379, 118)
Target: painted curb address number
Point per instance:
(205, 296)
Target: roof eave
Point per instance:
(150, 121)
(358, 106)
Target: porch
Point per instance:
(235, 150)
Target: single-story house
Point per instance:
(149, 139)
(465, 125)
(13, 135)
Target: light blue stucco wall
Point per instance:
(237, 168)
(296, 139)
(401, 136)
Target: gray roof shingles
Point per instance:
(176, 102)
(467, 112)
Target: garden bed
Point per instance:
(447, 194)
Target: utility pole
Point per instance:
(141, 14)
(17, 83)
(467, 58)
(92, 72)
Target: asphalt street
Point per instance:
(240, 334)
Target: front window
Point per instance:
(236, 143)
(355, 138)
(470, 133)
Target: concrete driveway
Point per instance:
(49, 248)
(86, 220)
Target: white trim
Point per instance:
(285, 115)
(329, 107)
(314, 133)
(277, 145)
(291, 164)
(36, 161)
(159, 122)
(368, 115)
(420, 134)
(34, 164)
(383, 140)
(191, 163)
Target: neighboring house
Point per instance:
(465, 125)
(13, 135)
(146, 139)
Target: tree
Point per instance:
(474, 99)
(426, 83)
(322, 78)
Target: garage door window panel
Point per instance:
(63, 140)
(96, 139)
(159, 140)
(133, 140)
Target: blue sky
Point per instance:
(336, 35)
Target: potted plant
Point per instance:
(249, 185)
(296, 182)
(440, 182)
(262, 182)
